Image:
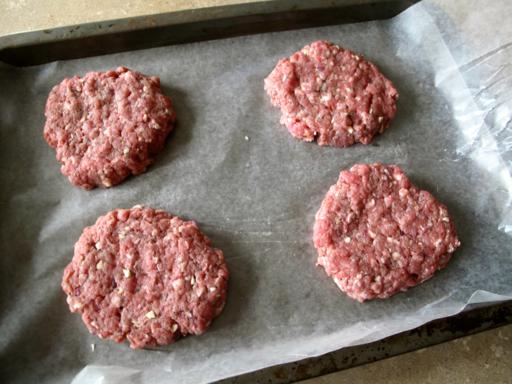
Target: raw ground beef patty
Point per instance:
(145, 276)
(331, 95)
(377, 234)
(107, 125)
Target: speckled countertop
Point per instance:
(482, 358)
(28, 15)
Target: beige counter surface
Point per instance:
(29, 15)
(481, 358)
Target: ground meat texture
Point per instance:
(145, 276)
(331, 95)
(107, 125)
(377, 234)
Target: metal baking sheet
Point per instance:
(468, 322)
(204, 23)
(257, 198)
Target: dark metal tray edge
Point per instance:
(98, 38)
(471, 319)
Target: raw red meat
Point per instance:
(331, 95)
(145, 276)
(377, 234)
(107, 125)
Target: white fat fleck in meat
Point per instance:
(178, 284)
(150, 315)
(403, 192)
(116, 300)
(325, 98)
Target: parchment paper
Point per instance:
(257, 198)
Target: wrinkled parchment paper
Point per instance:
(256, 197)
